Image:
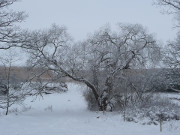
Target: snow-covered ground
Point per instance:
(67, 114)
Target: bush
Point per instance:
(149, 110)
(152, 111)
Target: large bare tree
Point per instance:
(108, 57)
(97, 62)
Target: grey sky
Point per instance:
(84, 16)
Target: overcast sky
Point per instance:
(84, 16)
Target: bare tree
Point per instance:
(10, 84)
(98, 62)
(171, 53)
(171, 4)
(112, 55)
(170, 7)
(9, 32)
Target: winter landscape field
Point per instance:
(88, 67)
(67, 114)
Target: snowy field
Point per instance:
(67, 114)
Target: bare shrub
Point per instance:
(155, 107)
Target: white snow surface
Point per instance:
(67, 114)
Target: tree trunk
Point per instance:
(7, 108)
